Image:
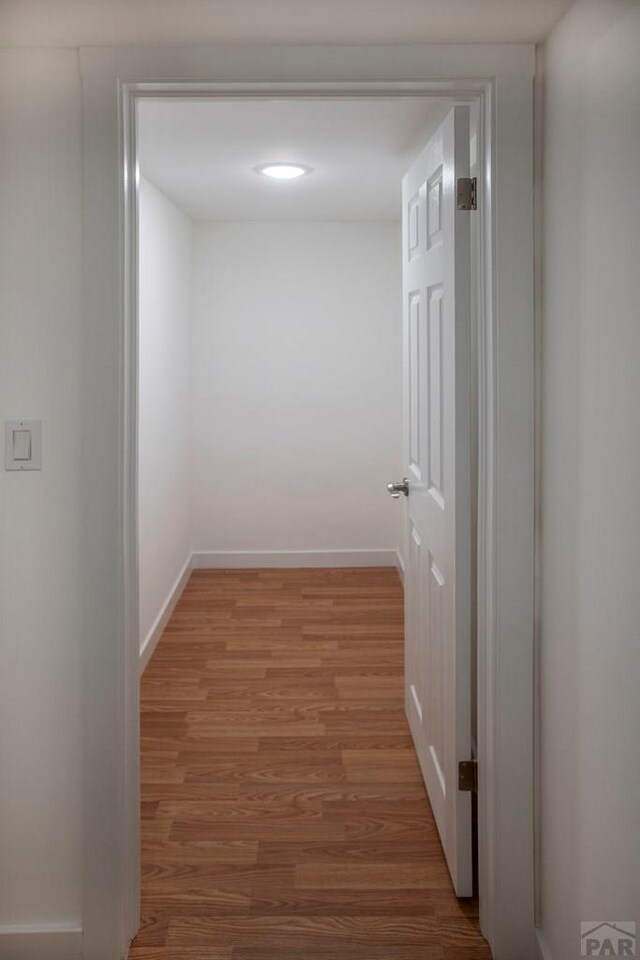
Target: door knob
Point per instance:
(395, 489)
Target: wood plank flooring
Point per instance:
(283, 812)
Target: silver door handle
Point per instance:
(395, 489)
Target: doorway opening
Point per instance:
(274, 242)
(503, 317)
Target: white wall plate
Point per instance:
(23, 444)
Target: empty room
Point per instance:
(284, 801)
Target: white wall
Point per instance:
(113, 22)
(296, 385)
(40, 366)
(590, 609)
(164, 442)
(590, 614)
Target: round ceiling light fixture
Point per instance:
(283, 171)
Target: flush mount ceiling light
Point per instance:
(283, 171)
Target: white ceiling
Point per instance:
(202, 155)
(103, 22)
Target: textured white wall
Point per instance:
(40, 364)
(296, 385)
(164, 449)
(590, 616)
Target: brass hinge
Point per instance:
(467, 193)
(468, 776)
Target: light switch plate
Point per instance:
(24, 450)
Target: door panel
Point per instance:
(436, 291)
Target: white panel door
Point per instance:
(436, 290)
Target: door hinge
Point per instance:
(467, 193)
(468, 776)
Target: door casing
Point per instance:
(497, 81)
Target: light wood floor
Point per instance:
(283, 812)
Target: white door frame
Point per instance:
(499, 79)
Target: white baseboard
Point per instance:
(400, 566)
(149, 643)
(40, 942)
(248, 559)
(542, 949)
